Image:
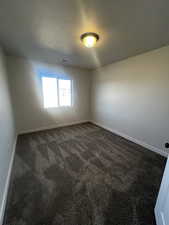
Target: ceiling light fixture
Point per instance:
(89, 39)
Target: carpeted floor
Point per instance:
(82, 175)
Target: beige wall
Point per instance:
(132, 97)
(28, 98)
(7, 133)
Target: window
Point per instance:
(56, 92)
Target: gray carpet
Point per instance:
(82, 175)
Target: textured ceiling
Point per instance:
(49, 30)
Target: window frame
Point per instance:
(58, 95)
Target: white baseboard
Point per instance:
(52, 126)
(5, 194)
(145, 145)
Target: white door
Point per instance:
(162, 204)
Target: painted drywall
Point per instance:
(27, 95)
(131, 97)
(7, 134)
